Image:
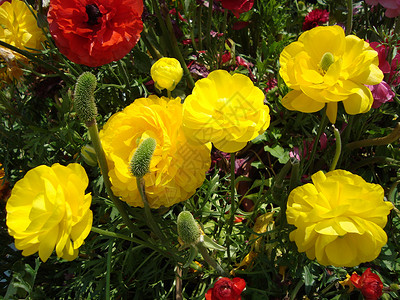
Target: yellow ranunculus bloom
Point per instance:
(48, 209)
(177, 167)
(19, 26)
(325, 67)
(166, 73)
(339, 218)
(226, 110)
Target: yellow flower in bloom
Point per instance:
(177, 167)
(226, 110)
(48, 209)
(339, 218)
(325, 67)
(166, 73)
(19, 26)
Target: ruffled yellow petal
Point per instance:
(339, 218)
(44, 207)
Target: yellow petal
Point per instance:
(296, 100)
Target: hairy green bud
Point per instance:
(140, 162)
(188, 229)
(84, 102)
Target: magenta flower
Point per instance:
(392, 6)
(391, 69)
(315, 18)
(382, 93)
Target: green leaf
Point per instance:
(210, 244)
(278, 152)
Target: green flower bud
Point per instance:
(188, 229)
(326, 61)
(89, 155)
(140, 162)
(84, 103)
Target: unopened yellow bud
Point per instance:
(166, 73)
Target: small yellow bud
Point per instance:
(166, 73)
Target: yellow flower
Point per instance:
(325, 67)
(177, 168)
(166, 73)
(48, 209)
(226, 110)
(19, 26)
(339, 218)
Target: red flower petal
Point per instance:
(108, 35)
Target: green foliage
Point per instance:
(39, 125)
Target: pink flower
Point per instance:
(392, 6)
(393, 68)
(315, 18)
(382, 93)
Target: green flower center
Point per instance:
(326, 61)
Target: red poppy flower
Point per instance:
(226, 289)
(369, 283)
(95, 32)
(237, 6)
(315, 18)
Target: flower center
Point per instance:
(93, 13)
(326, 61)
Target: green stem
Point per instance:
(397, 26)
(233, 205)
(200, 30)
(294, 176)
(222, 40)
(108, 274)
(153, 50)
(349, 23)
(178, 53)
(149, 217)
(203, 251)
(101, 157)
(376, 160)
(169, 94)
(321, 128)
(117, 235)
(338, 148)
(390, 138)
(209, 19)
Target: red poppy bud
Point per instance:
(369, 284)
(226, 289)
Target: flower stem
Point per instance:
(338, 148)
(349, 23)
(390, 138)
(178, 53)
(169, 94)
(116, 235)
(233, 205)
(321, 128)
(203, 251)
(294, 176)
(101, 157)
(209, 21)
(152, 224)
(108, 274)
